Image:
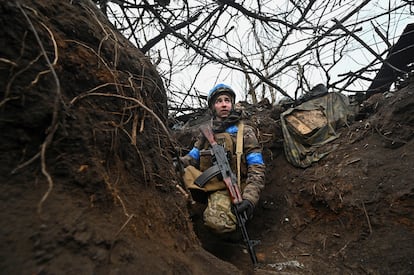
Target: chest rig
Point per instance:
(206, 154)
(233, 145)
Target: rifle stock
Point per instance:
(232, 186)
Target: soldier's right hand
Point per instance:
(245, 206)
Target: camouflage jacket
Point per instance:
(253, 170)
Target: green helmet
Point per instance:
(219, 89)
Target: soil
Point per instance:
(88, 184)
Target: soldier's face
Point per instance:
(222, 106)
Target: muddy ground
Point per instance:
(88, 185)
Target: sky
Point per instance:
(358, 57)
(213, 74)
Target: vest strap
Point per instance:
(239, 150)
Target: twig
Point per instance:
(117, 234)
(4, 60)
(141, 128)
(54, 125)
(106, 37)
(139, 154)
(131, 99)
(352, 161)
(342, 249)
(4, 101)
(94, 52)
(56, 55)
(387, 138)
(12, 78)
(366, 46)
(186, 195)
(366, 215)
(38, 77)
(314, 42)
(134, 130)
(123, 226)
(25, 163)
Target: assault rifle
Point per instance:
(230, 180)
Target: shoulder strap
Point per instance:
(239, 149)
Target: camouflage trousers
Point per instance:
(218, 216)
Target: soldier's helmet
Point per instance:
(218, 90)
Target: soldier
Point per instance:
(225, 123)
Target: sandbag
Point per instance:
(308, 127)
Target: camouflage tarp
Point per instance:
(312, 124)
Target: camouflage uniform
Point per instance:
(253, 167)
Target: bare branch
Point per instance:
(259, 43)
(367, 47)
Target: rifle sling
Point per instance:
(207, 175)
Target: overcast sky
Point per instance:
(213, 74)
(357, 56)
